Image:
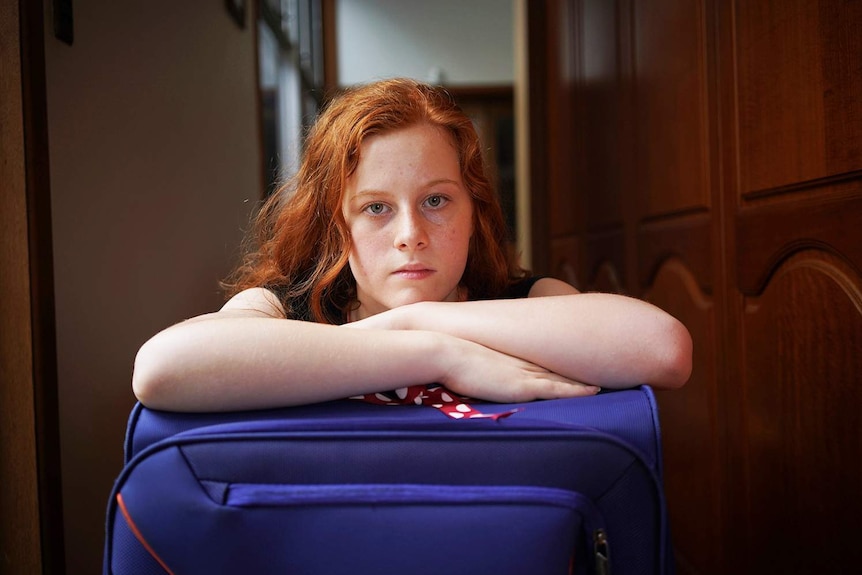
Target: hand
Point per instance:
(483, 373)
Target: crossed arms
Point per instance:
(555, 343)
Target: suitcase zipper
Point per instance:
(601, 552)
(263, 495)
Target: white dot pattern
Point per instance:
(433, 395)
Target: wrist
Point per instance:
(408, 317)
(448, 353)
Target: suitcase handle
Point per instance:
(438, 423)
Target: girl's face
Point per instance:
(410, 219)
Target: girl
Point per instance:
(385, 265)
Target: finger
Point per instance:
(556, 389)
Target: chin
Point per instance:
(415, 298)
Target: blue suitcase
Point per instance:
(559, 486)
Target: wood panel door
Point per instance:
(791, 81)
(679, 256)
(716, 170)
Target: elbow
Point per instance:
(149, 376)
(675, 361)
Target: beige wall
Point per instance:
(153, 155)
(450, 41)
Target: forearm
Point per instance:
(600, 339)
(247, 363)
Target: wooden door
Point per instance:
(716, 170)
(793, 183)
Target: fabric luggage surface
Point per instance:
(559, 486)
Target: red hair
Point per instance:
(300, 240)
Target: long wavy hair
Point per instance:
(299, 242)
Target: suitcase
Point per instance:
(558, 486)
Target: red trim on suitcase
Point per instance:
(138, 534)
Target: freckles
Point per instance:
(455, 232)
(367, 253)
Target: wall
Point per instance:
(470, 43)
(154, 165)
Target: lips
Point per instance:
(413, 271)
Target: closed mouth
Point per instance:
(413, 268)
(413, 272)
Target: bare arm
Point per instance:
(601, 339)
(246, 357)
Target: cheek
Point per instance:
(355, 261)
(365, 251)
(459, 242)
(462, 233)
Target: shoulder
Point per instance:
(543, 286)
(519, 288)
(537, 286)
(254, 302)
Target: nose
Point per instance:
(410, 231)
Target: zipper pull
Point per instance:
(601, 551)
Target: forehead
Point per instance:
(418, 150)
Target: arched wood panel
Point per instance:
(691, 434)
(607, 279)
(605, 253)
(769, 230)
(795, 174)
(564, 261)
(802, 414)
(674, 229)
(688, 238)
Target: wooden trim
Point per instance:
(330, 47)
(38, 192)
(537, 94)
(20, 550)
(258, 101)
(520, 105)
(804, 185)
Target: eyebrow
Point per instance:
(376, 192)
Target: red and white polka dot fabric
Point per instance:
(434, 395)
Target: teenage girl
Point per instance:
(384, 264)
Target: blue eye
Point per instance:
(436, 201)
(376, 208)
